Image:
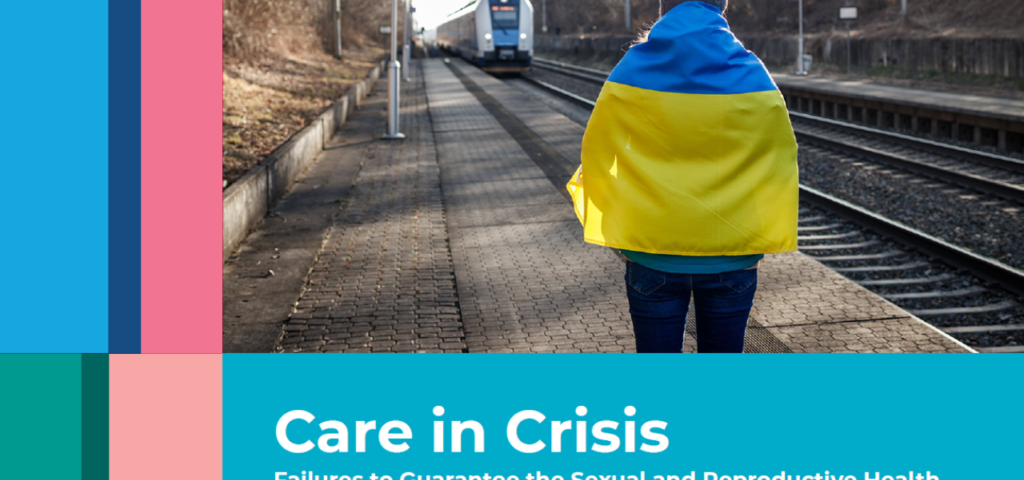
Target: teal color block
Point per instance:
(728, 414)
(41, 416)
(95, 416)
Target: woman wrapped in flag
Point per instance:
(689, 169)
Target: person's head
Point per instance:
(667, 5)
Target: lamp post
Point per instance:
(394, 69)
(407, 45)
(847, 47)
(544, 16)
(337, 28)
(847, 13)
(628, 26)
(800, 47)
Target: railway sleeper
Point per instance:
(819, 228)
(812, 238)
(1006, 349)
(984, 329)
(848, 258)
(934, 294)
(882, 268)
(993, 307)
(848, 246)
(906, 281)
(811, 219)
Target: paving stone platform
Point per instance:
(460, 239)
(384, 280)
(811, 308)
(526, 282)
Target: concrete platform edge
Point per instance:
(249, 199)
(915, 318)
(944, 334)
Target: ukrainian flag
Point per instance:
(689, 150)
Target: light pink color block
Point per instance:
(181, 177)
(165, 417)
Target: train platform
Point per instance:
(995, 107)
(460, 238)
(991, 121)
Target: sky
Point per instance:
(430, 13)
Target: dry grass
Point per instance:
(279, 73)
(267, 103)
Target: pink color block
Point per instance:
(165, 417)
(181, 177)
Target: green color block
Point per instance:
(41, 415)
(95, 416)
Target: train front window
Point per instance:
(504, 17)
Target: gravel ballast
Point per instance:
(983, 224)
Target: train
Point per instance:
(496, 35)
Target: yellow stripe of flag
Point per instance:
(688, 174)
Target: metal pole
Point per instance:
(394, 69)
(337, 28)
(628, 26)
(800, 48)
(407, 46)
(903, 9)
(847, 47)
(544, 16)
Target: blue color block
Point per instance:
(54, 133)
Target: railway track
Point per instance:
(973, 297)
(986, 173)
(982, 171)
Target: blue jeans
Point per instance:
(658, 302)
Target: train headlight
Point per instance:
(487, 37)
(522, 36)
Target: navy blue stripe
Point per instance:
(691, 50)
(125, 174)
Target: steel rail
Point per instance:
(977, 182)
(1004, 190)
(569, 73)
(590, 74)
(572, 97)
(986, 268)
(961, 153)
